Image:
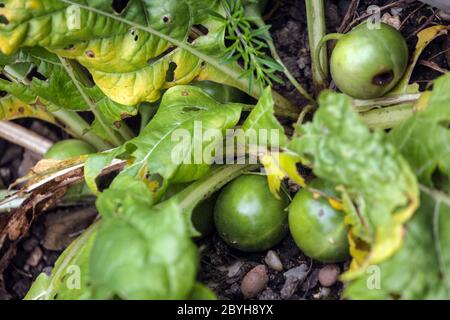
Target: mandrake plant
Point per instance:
(90, 67)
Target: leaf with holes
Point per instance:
(46, 85)
(172, 145)
(93, 32)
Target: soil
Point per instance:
(222, 268)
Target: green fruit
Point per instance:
(203, 217)
(67, 149)
(221, 93)
(317, 228)
(368, 63)
(248, 216)
(203, 214)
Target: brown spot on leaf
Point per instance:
(90, 54)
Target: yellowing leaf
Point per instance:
(379, 190)
(279, 166)
(424, 38)
(12, 108)
(128, 64)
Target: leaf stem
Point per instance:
(112, 134)
(23, 137)
(366, 105)
(76, 126)
(202, 189)
(389, 117)
(283, 106)
(125, 131)
(315, 14)
(322, 68)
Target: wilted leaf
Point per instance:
(279, 166)
(421, 269)
(379, 190)
(425, 37)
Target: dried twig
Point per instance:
(349, 15)
(24, 137)
(367, 15)
(434, 66)
(38, 198)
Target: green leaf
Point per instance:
(262, 119)
(167, 146)
(202, 292)
(145, 65)
(58, 90)
(421, 269)
(379, 190)
(141, 252)
(424, 139)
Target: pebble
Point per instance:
(294, 277)
(323, 293)
(269, 294)
(35, 257)
(273, 261)
(254, 281)
(329, 274)
(234, 269)
(311, 281)
(391, 20)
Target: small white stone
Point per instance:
(273, 261)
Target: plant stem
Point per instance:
(283, 106)
(81, 75)
(366, 105)
(147, 112)
(322, 68)
(315, 14)
(125, 131)
(117, 141)
(254, 11)
(386, 118)
(202, 189)
(76, 126)
(24, 137)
